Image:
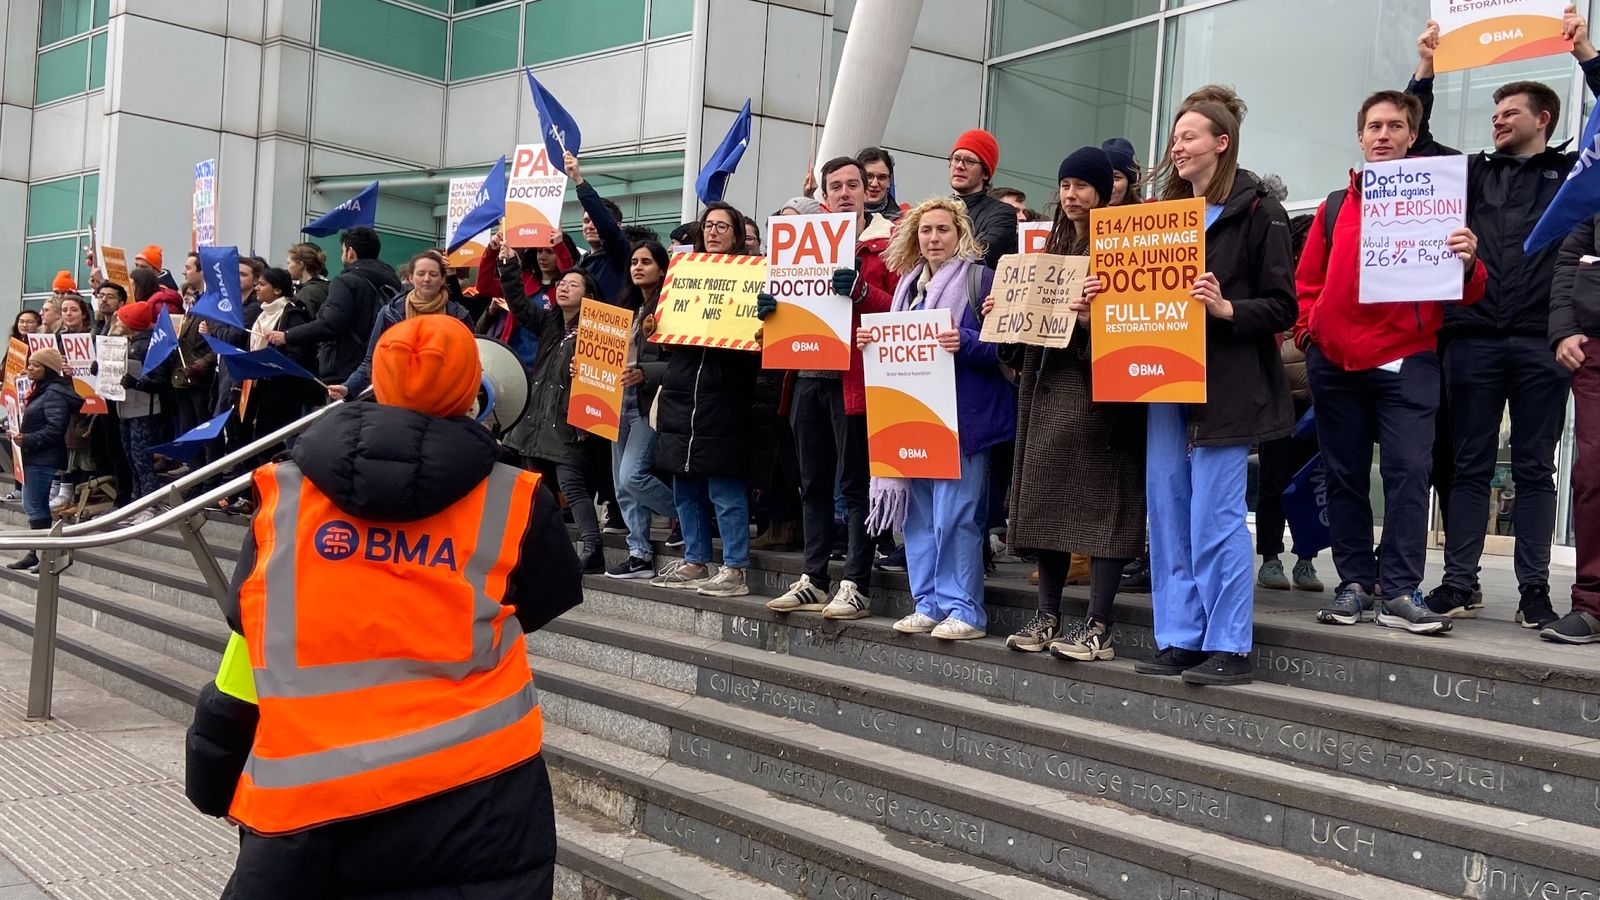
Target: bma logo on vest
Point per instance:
(340, 540)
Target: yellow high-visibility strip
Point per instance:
(234, 677)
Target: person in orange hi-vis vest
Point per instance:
(374, 729)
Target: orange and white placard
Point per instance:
(1477, 33)
(534, 194)
(462, 198)
(912, 431)
(709, 300)
(1032, 236)
(595, 402)
(811, 327)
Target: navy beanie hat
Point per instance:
(1089, 164)
(1122, 160)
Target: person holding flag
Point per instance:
(343, 325)
(1495, 353)
(275, 402)
(143, 414)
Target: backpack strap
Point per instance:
(974, 286)
(1330, 215)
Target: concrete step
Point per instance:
(1535, 772)
(1088, 845)
(1397, 833)
(600, 859)
(1486, 668)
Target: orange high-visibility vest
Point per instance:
(387, 669)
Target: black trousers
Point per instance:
(829, 444)
(1280, 461)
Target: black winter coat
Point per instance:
(1575, 292)
(492, 840)
(1505, 198)
(543, 433)
(1249, 250)
(702, 412)
(51, 405)
(609, 265)
(994, 223)
(344, 320)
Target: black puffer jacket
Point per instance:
(702, 413)
(51, 405)
(543, 433)
(994, 223)
(1505, 198)
(344, 320)
(1249, 251)
(1575, 293)
(492, 840)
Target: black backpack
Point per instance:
(1330, 215)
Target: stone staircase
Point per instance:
(709, 748)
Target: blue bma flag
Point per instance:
(1578, 198)
(713, 178)
(223, 298)
(259, 364)
(163, 339)
(556, 127)
(1305, 506)
(362, 209)
(185, 445)
(488, 207)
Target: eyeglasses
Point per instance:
(871, 179)
(965, 162)
(716, 227)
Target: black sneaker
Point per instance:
(1171, 661)
(1350, 605)
(1576, 627)
(594, 561)
(1221, 668)
(674, 536)
(1534, 610)
(613, 521)
(1447, 600)
(1415, 614)
(30, 561)
(632, 567)
(1136, 576)
(894, 562)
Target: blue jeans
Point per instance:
(639, 491)
(944, 542)
(36, 494)
(1201, 563)
(696, 498)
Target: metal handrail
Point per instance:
(188, 514)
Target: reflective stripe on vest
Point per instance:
(386, 666)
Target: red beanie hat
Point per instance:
(64, 283)
(140, 316)
(152, 255)
(981, 144)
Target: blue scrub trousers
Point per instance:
(944, 542)
(1201, 564)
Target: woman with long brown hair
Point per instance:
(428, 296)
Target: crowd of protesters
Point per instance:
(1119, 496)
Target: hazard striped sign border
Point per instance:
(739, 259)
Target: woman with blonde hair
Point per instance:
(308, 266)
(1201, 556)
(939, 263)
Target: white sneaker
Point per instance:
(848, 603)
(683, 576)
(142, 517)
(802, 595)
(729, 582)
(953, 629)
(916, 623)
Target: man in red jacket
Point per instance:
(828, 411)
(1374, 371)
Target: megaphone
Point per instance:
(503, 399)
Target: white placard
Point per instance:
(1408, 209)
(811, 327)
(113, 353)
(1032, 236)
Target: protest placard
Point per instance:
(77, 350)
(463, 193)
(1032, 236)
(1148, 337)
(595, 401)
(912, 431)
(113, 353)
(13, 392)
(114, 263)
(534, 195)
(811, 327)
(1031, 292)
(1408, 209)
(709, 300)
(1478, 33)
(203, 228)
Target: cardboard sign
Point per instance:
(811, 327)
(78, 352)
(534, 194)
(113, 353)
(463, 191)
(709, 300)
(12, 394)
(1408, 209)
(1031, 292)
(912, 430)
(114, 263)
(1477, 33)
(1148, 343)
(1032, 236)
(203, 230)
(595, 401)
